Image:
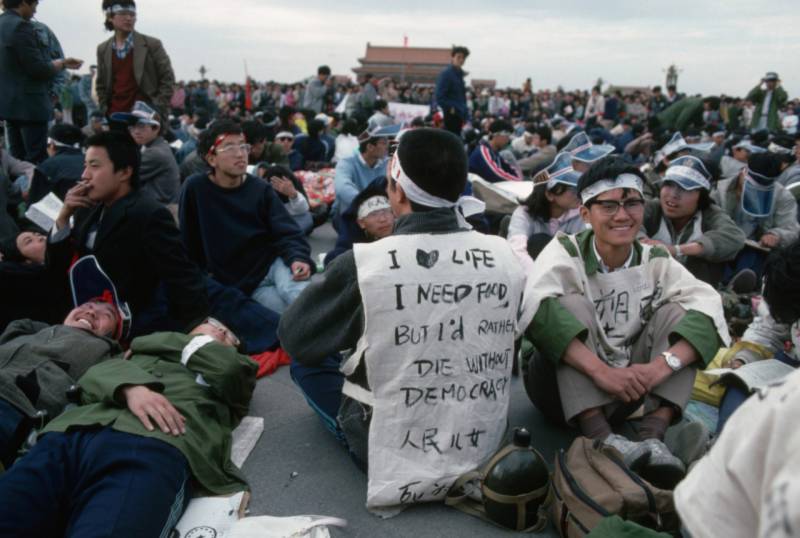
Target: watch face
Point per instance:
(202, 532)
(673, 361)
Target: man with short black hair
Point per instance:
(355, 172)
(158, 174)
(133, 237)
(235, 226)
(27, 71)
(317, 89)
(418, 280)
(451, 93)
(486, 160)
(131, 66)
(619, 326)
(381, 117)
(543, 140)
(64, 166)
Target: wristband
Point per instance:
(678, 252)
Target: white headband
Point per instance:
(117, 8)
(370, 205)
(622, 181)
(58, 144)
(689, 173)
(464, 207)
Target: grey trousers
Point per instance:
(578, 393)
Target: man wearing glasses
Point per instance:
(235, 227)
(159, 173)
(619, 326)
(131, 66)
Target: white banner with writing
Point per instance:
(404, 112)
(441, 315)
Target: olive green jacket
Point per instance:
(212, 391)
(779, 97)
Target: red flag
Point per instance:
(248, 95)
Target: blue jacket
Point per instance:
(450, 91)
(27, 71)
(63, 170)
(488, 164)
(349, 230)
(236, 234)
(352, 176)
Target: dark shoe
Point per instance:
(745, 281)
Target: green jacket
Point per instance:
(682, 114)
(212, 391)
(779, 98)
(722, 238)
(554, 327)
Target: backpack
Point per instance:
(591, 483)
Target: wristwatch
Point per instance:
(673, 362)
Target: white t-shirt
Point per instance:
(749, 484)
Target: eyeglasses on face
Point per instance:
(610, 208)
(233, 148)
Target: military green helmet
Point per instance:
(516, 485)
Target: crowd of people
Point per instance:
(650, 222)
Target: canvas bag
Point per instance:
(591, 483)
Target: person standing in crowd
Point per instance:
(486, 161)
(619, 327)
(768, 98)
(451, 93)
(158, 174)
(131, 66)
(685, 221)
(318, 89)
(133, 237)
(235, 226)
(27, 71)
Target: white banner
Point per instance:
(404, 113)
(439, 343)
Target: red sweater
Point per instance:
(124, 89)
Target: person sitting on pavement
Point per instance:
(541, 139)
(291, 192)
(355, 172)
(368, 219)
(486, 161)
(619, 327)
(64, 166)
(348, 309)
(150, 429)
(158, 174)
(763, 209)
(381, 117)
(133, 237)
(685, 221)
(746, 484)
(551, 207)
(236, 228)
(41, 362)
(731, 165)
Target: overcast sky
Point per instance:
(721, 46)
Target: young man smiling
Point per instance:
(619, 325)
(235, 226)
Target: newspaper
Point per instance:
(754, 375)
(45, 212)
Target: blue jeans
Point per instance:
(10, 421)
(322, 387)
(278, 290)
(95, 482)
(748, 258)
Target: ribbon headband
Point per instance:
(219, 140)
(464, 207)
(371, 205)
(622, 181)
(58, 144)
(119, 8)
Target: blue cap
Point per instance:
(582, 149)
(689, 172)
(561, 171)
